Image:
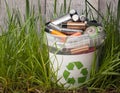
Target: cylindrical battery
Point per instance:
(79, 50)
(75, 25)
(83, 18)
(64, 18)
(54, 32)
(64, 30)
(72, 11)
(100, 28)
(75, 17)
(91, 31)
(53, 26)
(70, 30)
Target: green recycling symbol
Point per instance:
(82, 71)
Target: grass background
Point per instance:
(24, 59)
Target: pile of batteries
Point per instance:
(74, 34)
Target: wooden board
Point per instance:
(103, 6)
(78, 5)
(48, 6)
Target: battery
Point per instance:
(75, 25)
(75, 18)
(64, 18)
(83, 18)
(64, 30)
(79, 50)
(91, 31)
(100, 28)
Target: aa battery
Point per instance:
(75, 18)
(54, 32)
(64, 30)
(100, 28)
(83, 18)
(76, 50)
(70, 31)
(72, 11)
(75, 25)
(53, 26)
(97, 40)
(79, 50)
(91, 31)
(64, 18)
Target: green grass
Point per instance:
(24, 59)
(64, 8)
(108, 73)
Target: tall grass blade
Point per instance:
(88, 3)
(55, 7)
(27, 9)
(65, 6)
(8, 10)
(69, 6)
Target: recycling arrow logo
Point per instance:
(72, 68)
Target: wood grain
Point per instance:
(78, 5)
(103, 6)
(47, 6)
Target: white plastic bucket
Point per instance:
(72, 69)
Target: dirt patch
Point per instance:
(83, 90)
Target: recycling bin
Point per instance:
(72, 57)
